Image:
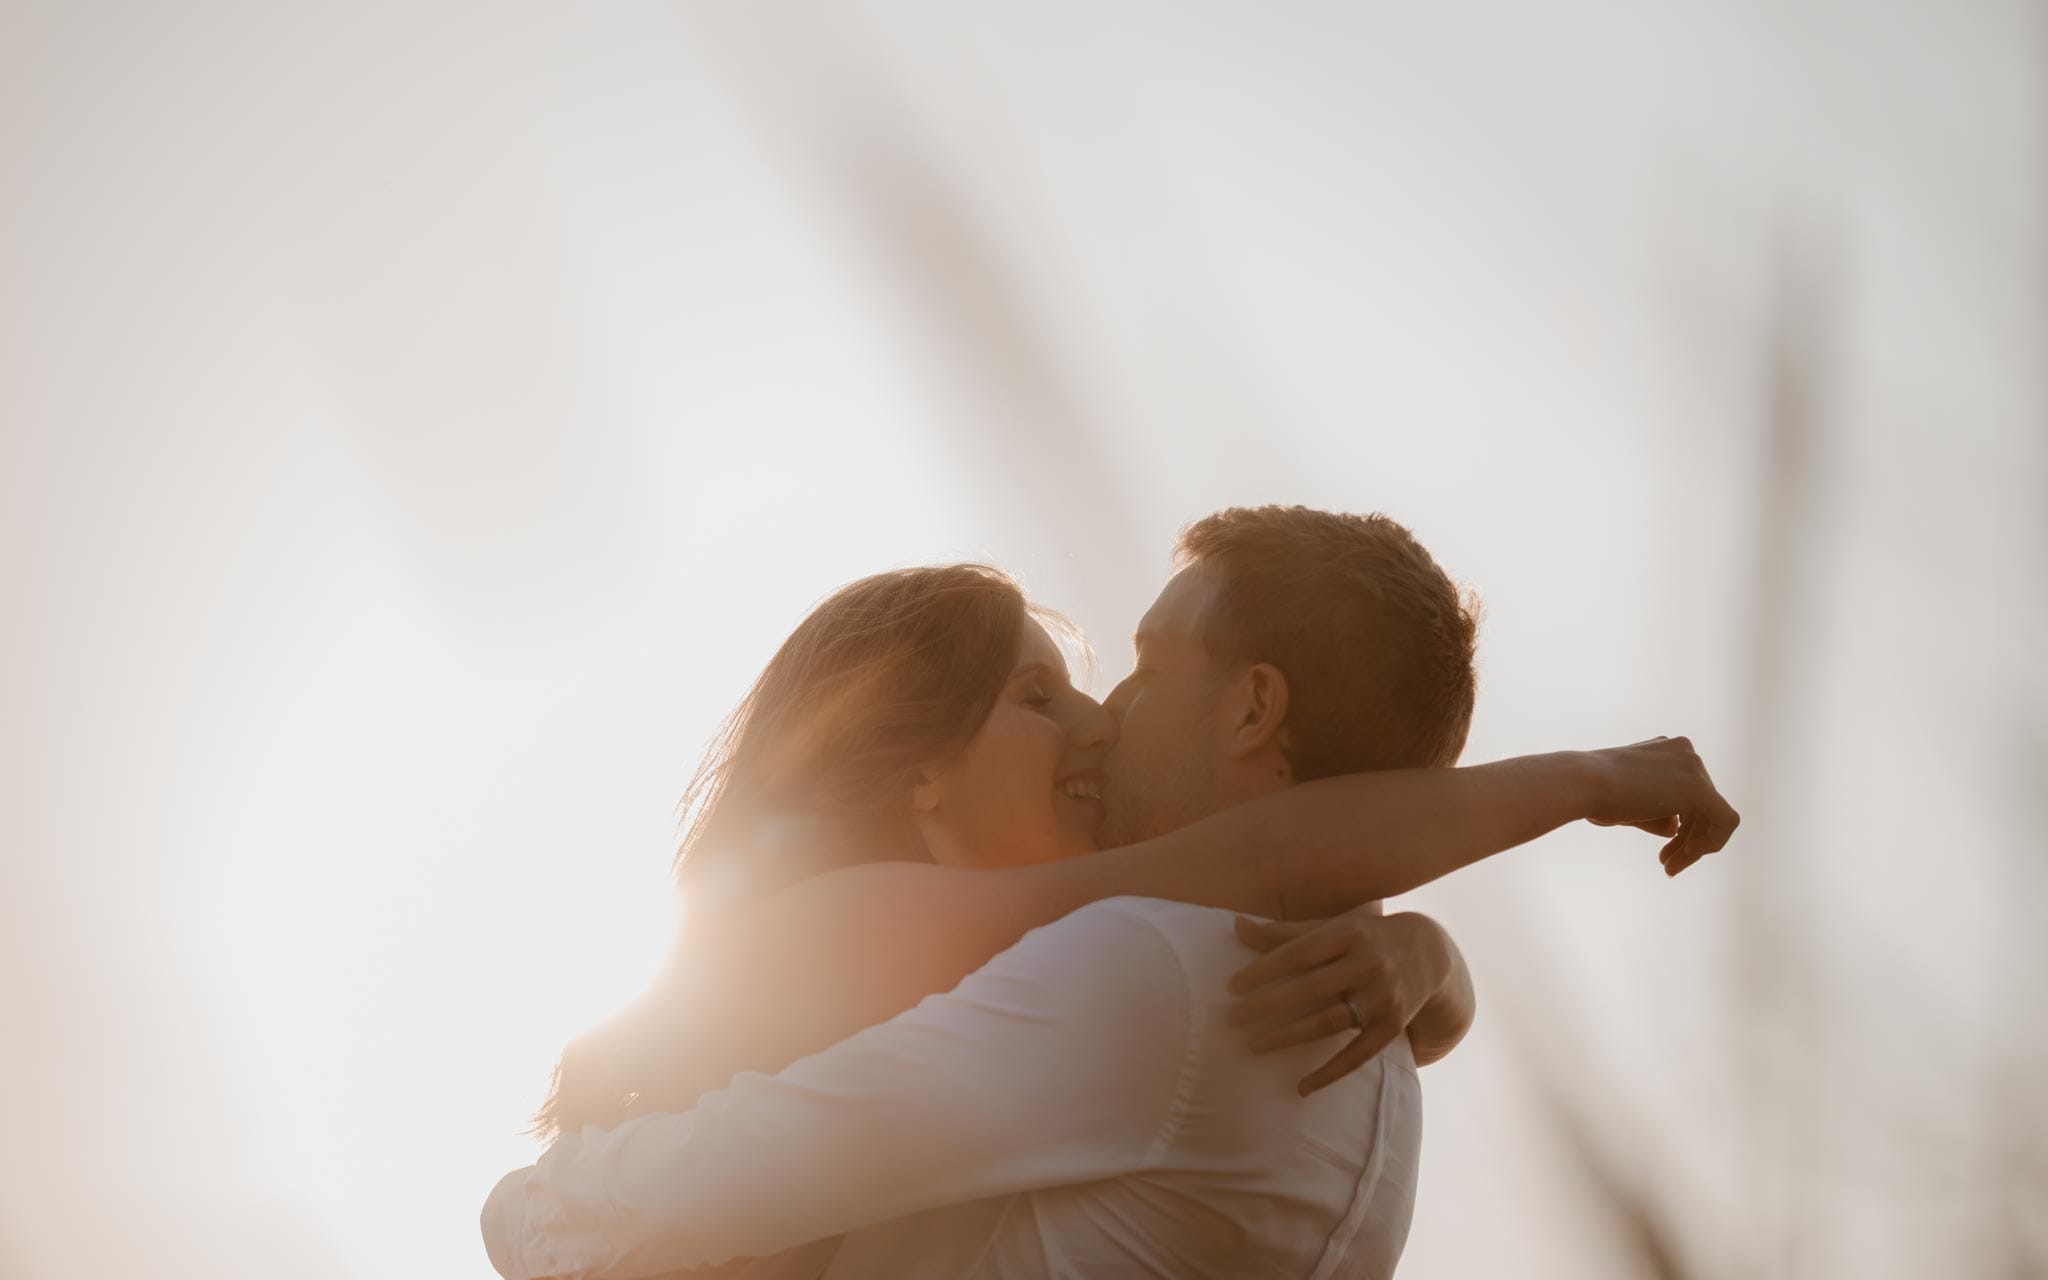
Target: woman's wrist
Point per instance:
(1585, 777)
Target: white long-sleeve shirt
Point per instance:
(1079, 1106)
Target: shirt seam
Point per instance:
(1337, 1246)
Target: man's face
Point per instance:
(1161, 773)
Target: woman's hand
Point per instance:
(1661, 786)
(1356, 972)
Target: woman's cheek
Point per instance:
(1031, 764)
(1063, 838)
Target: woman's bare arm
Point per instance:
(1449, 1014)
(816, 962)
(1323, 847)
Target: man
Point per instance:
(1297, 644)
(1081, 1106)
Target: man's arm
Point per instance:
(1059, 1062)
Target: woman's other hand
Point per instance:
(1359, 971)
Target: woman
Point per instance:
(911, 786)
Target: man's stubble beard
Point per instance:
(1140, 811)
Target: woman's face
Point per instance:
(1028, 786)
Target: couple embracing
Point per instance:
(979, 977)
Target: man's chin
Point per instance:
(1073, 844)
(1112, 834)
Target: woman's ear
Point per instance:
(1261, 712)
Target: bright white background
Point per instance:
(419, 421)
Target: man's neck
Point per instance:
(1249, 780)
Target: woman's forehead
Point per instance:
(1035, 645)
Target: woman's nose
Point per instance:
(1094, 727)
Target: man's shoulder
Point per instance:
(1176, 922)
(1115, 970)
(1117, 955)
(1174, 936)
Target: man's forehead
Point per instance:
(1177, 613)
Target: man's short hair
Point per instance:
(1375, 641)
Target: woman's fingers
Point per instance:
(1317, 979)
(1306, 951)
(1672, 855)
(1264, 935)
(1377, 1035)
(1332, 1019)
(1699, 834)
(1711, 829)
(1297, 994)
(1701, 831)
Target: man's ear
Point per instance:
(1261, 711)
(924, 793)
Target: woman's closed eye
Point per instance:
(1035, 691)
(1041, 686)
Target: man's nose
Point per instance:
(1115, 703)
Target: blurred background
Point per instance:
(419, 422)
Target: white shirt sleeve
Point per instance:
(1066, 1059)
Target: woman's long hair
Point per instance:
(813, 770)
